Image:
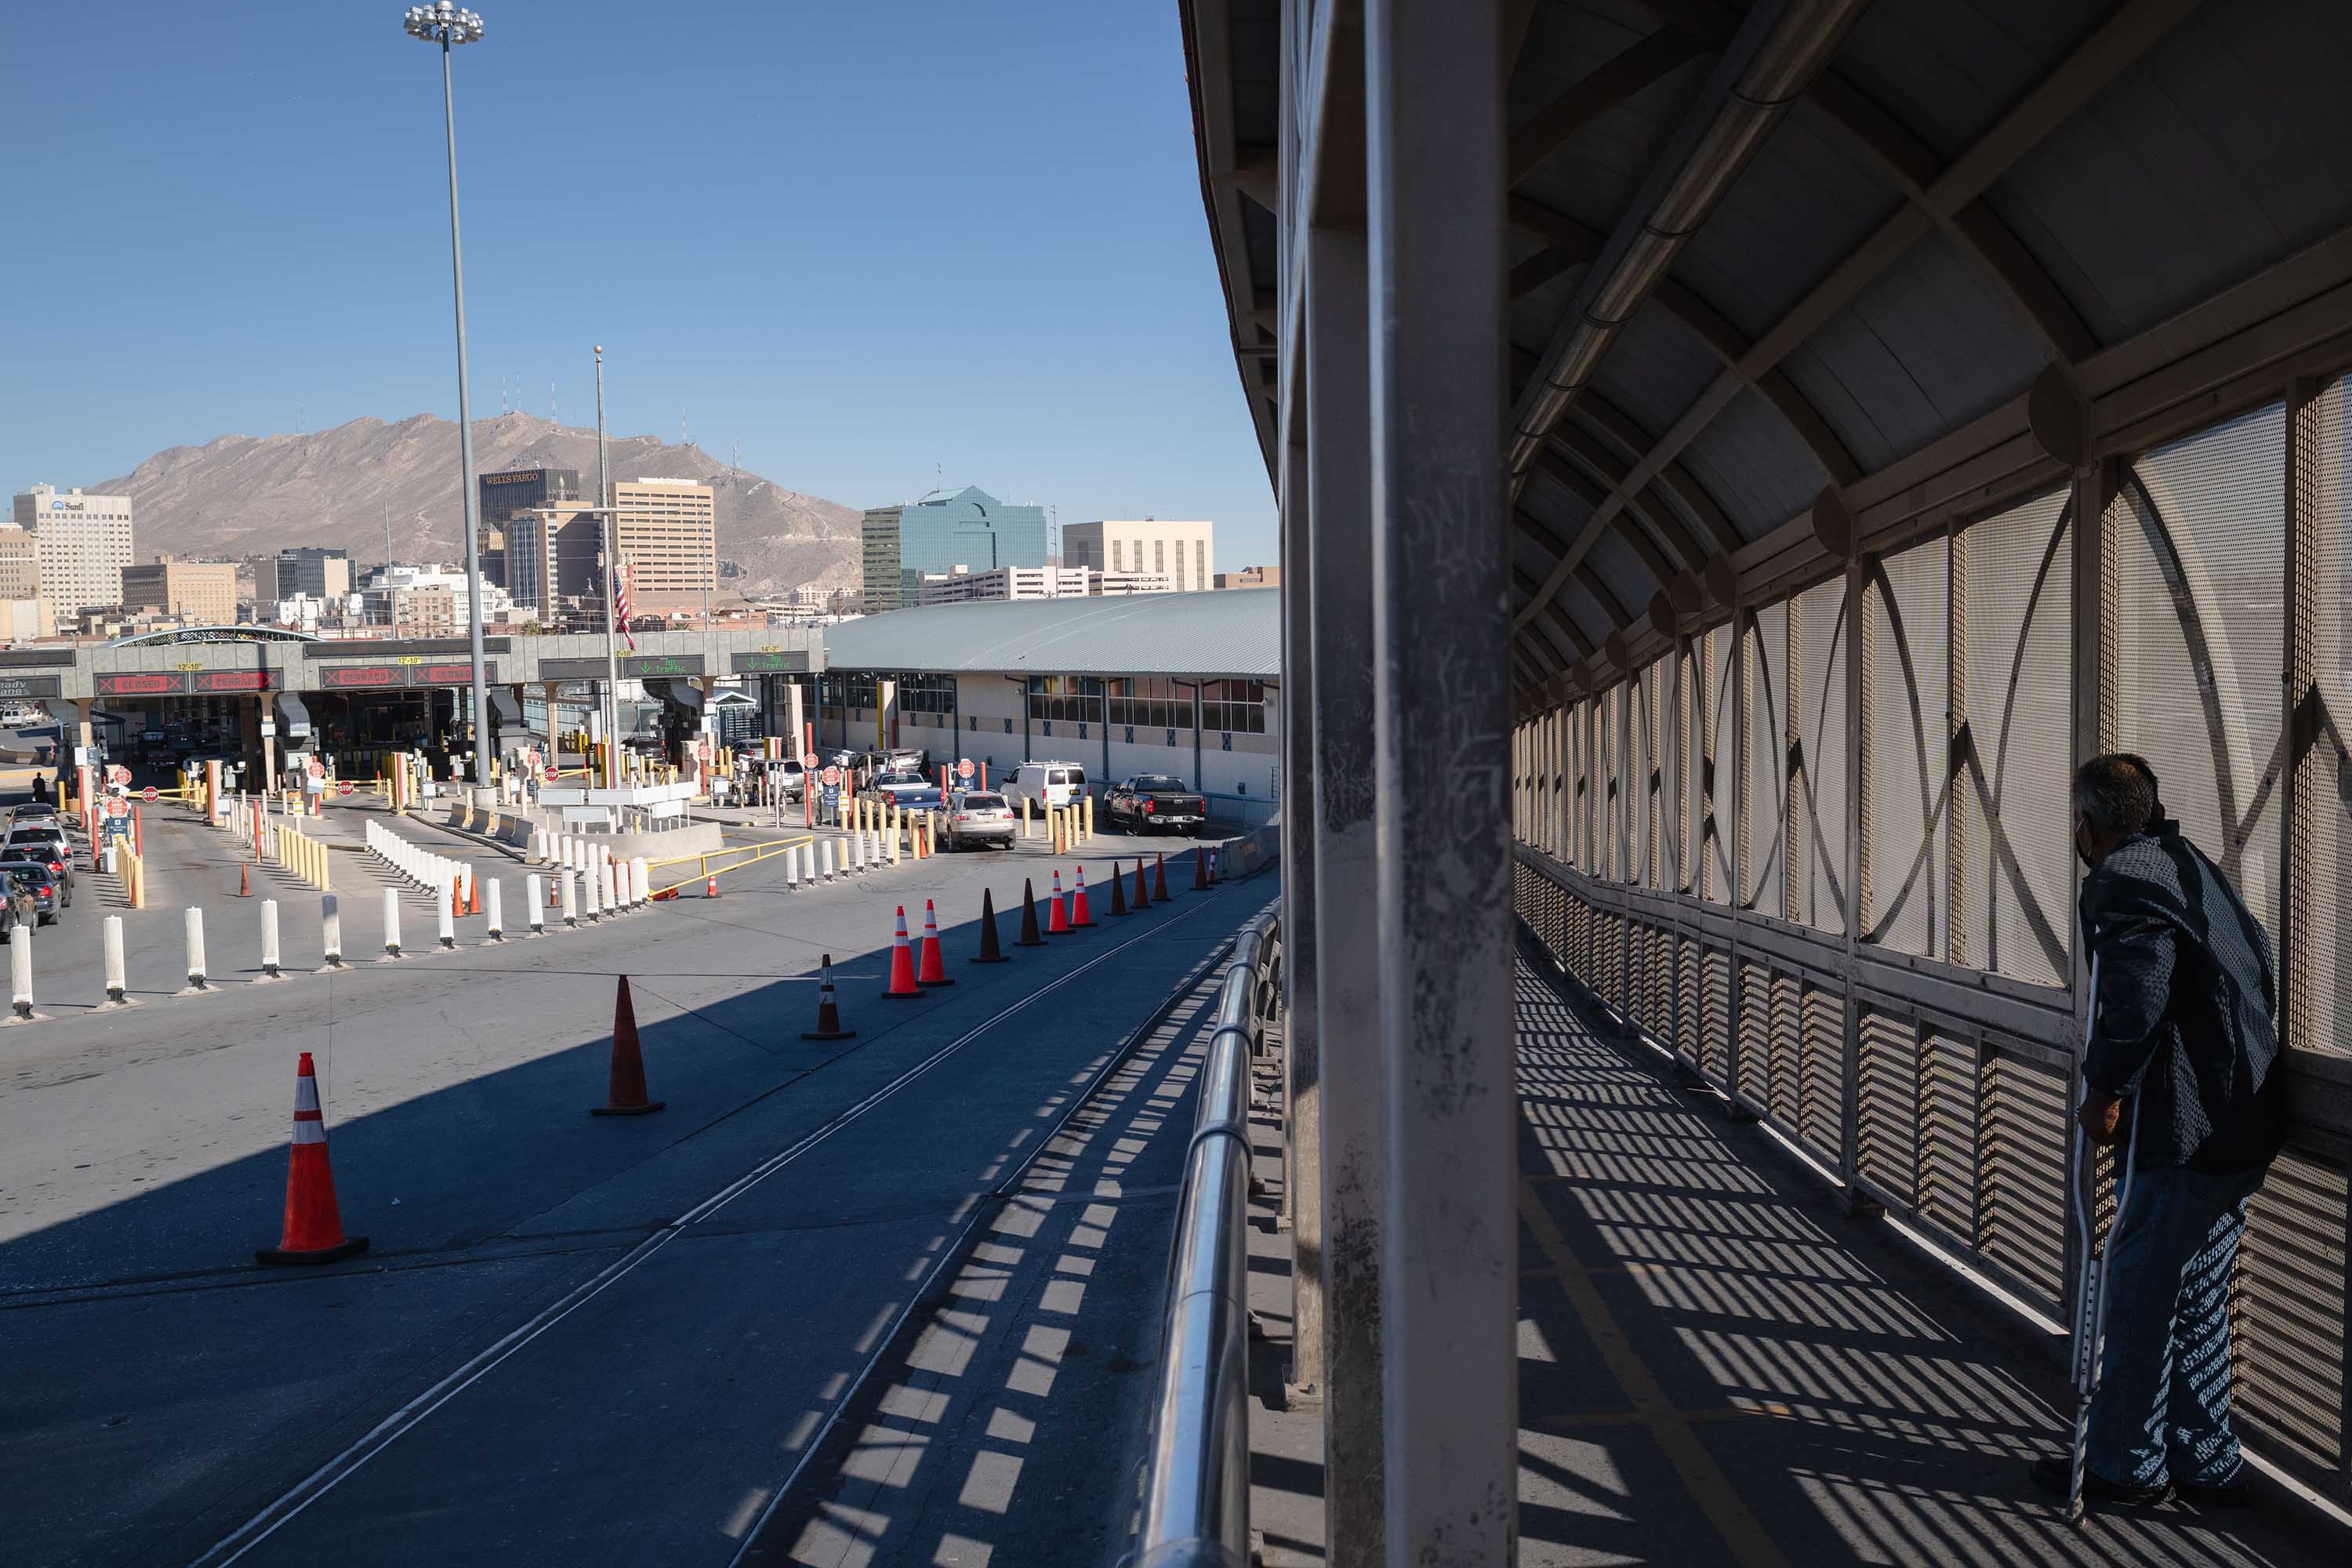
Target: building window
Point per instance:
(1072, 699)
(1153, 702)
(1199, 564)
(1235, 707)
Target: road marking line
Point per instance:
(275, 1514)
(1693, 1465)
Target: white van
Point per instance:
(1046, 783)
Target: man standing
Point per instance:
(2184, 1060)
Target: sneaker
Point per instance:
(2055, 1475)
(2237, 1494)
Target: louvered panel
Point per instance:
(2289, 1318)
(1947, 1134)
(1756, 1017)
(1786, 1049)
(2022, 1121)
(1887, 1142)
(1821, 1072)
(1686, 1000)
(1714, 1020)
(1646, 997)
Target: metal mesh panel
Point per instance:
(1887, 1142)
(1754, 1044)
(1680, 775)
(1611, 749)
(1722, 799)
(2022, 1121)
(1714, 1020)
(1642, 692)
(1644, 976)
(2288, 1328)
(1686, 999)
(2322, 932)
(1784, 1047)
(1767, 746)
(2020, 584)
(1947, 1134)
(1821, 1072)
(2202, 560)
(1909, 644)
(1819, 824)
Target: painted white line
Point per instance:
(327, 1477)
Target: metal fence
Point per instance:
(1818, 844)
(1196, 1472)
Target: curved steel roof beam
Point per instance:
(1767, 64)
(2127, 35)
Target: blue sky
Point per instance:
(863, 240)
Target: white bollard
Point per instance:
(269, 939)
(391, 923)
(828, 859)
(331, 922)
(571, 900)
(793, 870)
(608, 887)
(448, 918)
(196, 950)
(894, 847)
(116, 984)
(641, 877)
(591, 903)
(534, 893)
(20, 972)
(490, 908)
(857, 852)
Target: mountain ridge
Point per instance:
(240, 495)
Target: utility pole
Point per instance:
(611, 590)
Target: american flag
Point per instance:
(621, 575)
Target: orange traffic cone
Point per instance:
(1081, 917)
(989, 951)
(933, 970)
(457, 896)
(1118, 890)
(313, 1231)
(710, 884)
(828, 1015)
(243, 882)
(1142, 893)
(1058, 912)
(902, 965)
(1200, 870)
(1160, 878)
(625, 1094)
(1028, 937)
(473, 894)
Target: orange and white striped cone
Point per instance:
(828, 1013)
(933, 970)
(1058, 911)
(313, 1229)
(1081, 917)
(710, 884)
(902, 965)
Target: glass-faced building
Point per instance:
(970, 529)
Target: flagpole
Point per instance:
(610, 592)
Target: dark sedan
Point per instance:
(32, 892)
(1155, 801)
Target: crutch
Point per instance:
(2091, 1303)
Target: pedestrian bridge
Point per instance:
(1734, 462)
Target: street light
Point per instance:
(449, 26)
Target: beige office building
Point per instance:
(201, 593)
(1183, 553)
(20, 565)
(668, 530)
(82, 542)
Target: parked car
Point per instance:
(1047, 783)
(31, 812)
(33, 894)
(908, 791)
(789, 777)
(44, 842)
(1154, 801)
(978, 816)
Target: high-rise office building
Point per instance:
(932, 537)
(513, 494)
(82, 543)
(551, 566)
(306, 570)
(201, 593)
(1186, 553)
(668, 530)
(20, 565)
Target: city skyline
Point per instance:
(862, 266)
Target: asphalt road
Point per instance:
(574, 1340)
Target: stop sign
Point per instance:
(832, 777)
(964, 769)
(344, 787)
(808, 759)
(318, 769)
(549, 774)
(150, 795)
(117, 807)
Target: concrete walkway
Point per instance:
(1718, 1367)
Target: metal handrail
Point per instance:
(1196, 1473)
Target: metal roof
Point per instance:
(1228, 632)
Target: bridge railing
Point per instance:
(1196, 1470)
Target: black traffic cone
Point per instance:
(1029, 936)
(1117, 891)
(989, 951)
(828, 1016)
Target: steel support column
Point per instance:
(1339, 591)
(1435, 157)
(1301, 913)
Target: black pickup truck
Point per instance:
(1149, 801)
